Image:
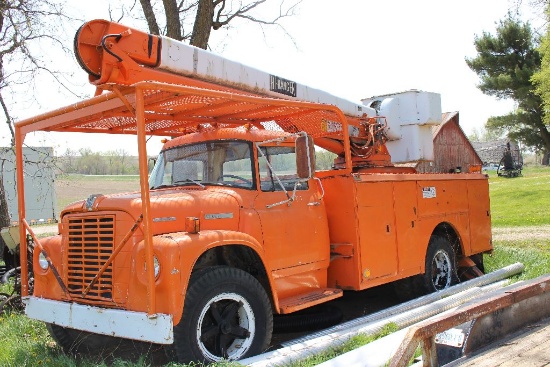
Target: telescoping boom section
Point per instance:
(113, 54)
(237, 221)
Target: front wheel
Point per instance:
(440, 265)
(75, 342)
(227, 316)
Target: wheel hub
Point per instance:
(226, 327)
(441, 273)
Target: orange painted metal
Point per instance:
(19, 138)
(145, 202)
(93, 36)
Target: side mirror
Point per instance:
(305, 156)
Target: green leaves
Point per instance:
(508, 64)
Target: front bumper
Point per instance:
(105, 321)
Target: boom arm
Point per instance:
(113, 53)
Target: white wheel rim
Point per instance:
(441, 270)
(243, 318)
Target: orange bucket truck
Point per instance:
(236, 222)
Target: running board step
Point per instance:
(302, 301)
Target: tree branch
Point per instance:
(9, 120)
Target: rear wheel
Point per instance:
(227, 315)
(478, 260)
(440, 272)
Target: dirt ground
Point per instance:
(521, 233)
(70, 190)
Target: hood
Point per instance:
(215, 207)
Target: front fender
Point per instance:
(178, 253)
(45, 283)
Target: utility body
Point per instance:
(236, 222)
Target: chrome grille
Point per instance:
(90, 243)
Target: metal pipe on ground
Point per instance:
(486, 279)
(380, 351)
(403, 315)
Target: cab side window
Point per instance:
(277, 167)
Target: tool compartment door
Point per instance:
(376, 227)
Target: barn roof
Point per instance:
(492, 151)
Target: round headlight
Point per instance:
(156, 266)
(42, 261)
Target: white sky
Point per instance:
(355, 49)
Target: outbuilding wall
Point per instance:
(452, 149)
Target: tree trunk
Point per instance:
(543, 130)
(173, 26)
(203, 24)
(4, 213)
(546, 158)
(150, 16)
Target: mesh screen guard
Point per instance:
(172, 110)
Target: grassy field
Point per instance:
(522, 202)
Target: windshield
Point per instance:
(208, 163)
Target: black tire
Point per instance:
(75, 342)
(440, 272)
(227, 315)
(104, 347)
(478, 260)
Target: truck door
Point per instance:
(295, 232)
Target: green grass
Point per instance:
(353, 343)
(26, 343)
(521, 201)
(533, 254)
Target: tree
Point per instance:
(506, 63)
(27, 35)
(29, 29)
(203, 16)
(481, 134)
(542, 78)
